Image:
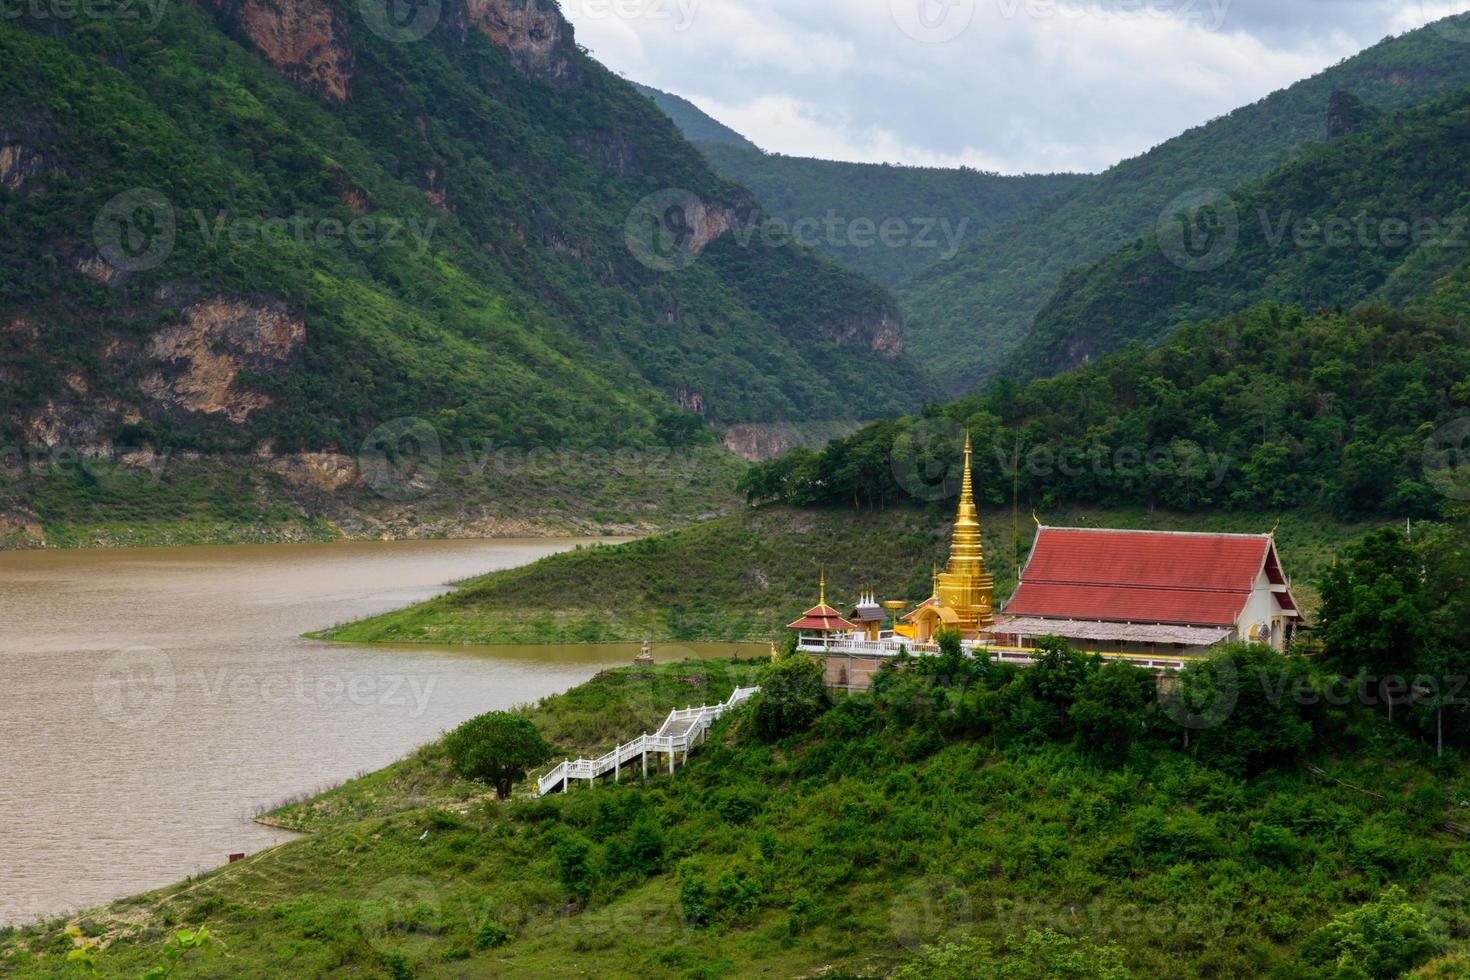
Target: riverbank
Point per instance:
(152, 501)
(746, 575)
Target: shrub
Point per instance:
(1383, 939)
(793, 695)
(497, 749)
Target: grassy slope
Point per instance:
(968, 315)
(228, 500)
(745, 576)
(858, 851)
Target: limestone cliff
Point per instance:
(306, 40)
(202, 356)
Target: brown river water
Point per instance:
(153, 700)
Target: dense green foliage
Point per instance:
(1267, 409)
(1395, 617)
(519, 317)
(956, 817)
(1331, 229)
(744, 577)
(967, 316)
(792, 696)
(497, 749)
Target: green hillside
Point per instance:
(1057, 822)
(254, 226)
(1359, 414)
(745, 576)
(1327, 230)
(970, 315)
(841, 209)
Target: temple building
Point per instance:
(1154, 598)
(1151, 591)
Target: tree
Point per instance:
(1244, 708)
(793, 694)
(1383, 939)
(497, 749)
(1374, 616)
(1111, 707)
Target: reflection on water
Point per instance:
(153, 700)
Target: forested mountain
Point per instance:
(696, 124)
(249, 223)
(1381, 214)
(883, 220)
(969, 315)
(1357, 414)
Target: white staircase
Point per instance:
(679, 733)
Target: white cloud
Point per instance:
(1027, 85)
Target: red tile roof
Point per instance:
(1140, 576)
(822, 619)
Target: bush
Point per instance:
(793, 695)
(1384, 939)
(497, 749)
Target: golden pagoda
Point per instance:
(964, 592)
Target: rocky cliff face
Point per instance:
(533, 32)
(202, 356)
(306, 40)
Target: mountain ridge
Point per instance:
(972, 312)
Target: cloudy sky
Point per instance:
(1008, 85)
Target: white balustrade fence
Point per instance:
(678, 734)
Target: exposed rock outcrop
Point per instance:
(533, 32)
(216, 340)
(319, 471)
(18, 163)
(880, 332)
(306, 40)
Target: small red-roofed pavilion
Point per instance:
(822, 618)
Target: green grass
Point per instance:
(838, 853)
(747, 575)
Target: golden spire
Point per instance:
(966, 556)
(824, 587)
